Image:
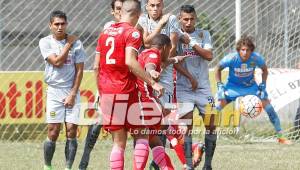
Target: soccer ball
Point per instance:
(250, 106)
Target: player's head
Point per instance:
(155, 8)
(163, 43)
(116, 6)
(245, 47)
(131, 11)
(187, 18)
(58, 23)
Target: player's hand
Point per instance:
(71, 39)
(69, 101)
(194, 84)
(221, 91)
(193, 41)
(164, 19)
(185, 38)
(261, 93)
(159, 89)
(154, 74)
(181, 58)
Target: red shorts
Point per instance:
(121, 111)
(152, 113)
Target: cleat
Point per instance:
(48, 167)
(197, 154)
(284, 141)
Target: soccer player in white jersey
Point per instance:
(152, 24)
(94, 130)
(64, 59)
(199, 50)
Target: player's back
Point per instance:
(115, 76)
(148, 56)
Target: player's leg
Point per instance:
(274, 119)
(198, 151)
(71, 144)
(166, 102)
(176, 139)
(188, 151)
(55, 115)
(273, 116)
(90, 141)
(117, 154)
(141, 149)
(50, 143)
(72, 120)
(186, 105)
(210, 143)
(205, 103)
(160, 157)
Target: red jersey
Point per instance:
(114, 75)
(148, 56)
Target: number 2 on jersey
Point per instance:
(110, 41)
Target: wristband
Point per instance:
(176, 60)
(151, 71)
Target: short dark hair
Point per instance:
(58, 14)
(245, 40)
(160, 40)
(132, 7)
(187, 9)
(112, 4)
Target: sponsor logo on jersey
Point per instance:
(153, 56)
(52, 114)
(136, 34)
(252, 64)
(190, 53)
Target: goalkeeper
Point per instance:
(241, 81)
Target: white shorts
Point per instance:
(188, 100)
(56, 112)
(166, 101)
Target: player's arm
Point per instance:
(70, 100)
(265, 73)
(173, 60)
(96, 66)
(137, 70)
(147, 37)
(177, 66)
(58, 60)
(218, 73)
(204, 53)
(150, 69)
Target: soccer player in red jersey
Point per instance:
(95, 129)
(118, 69)
(151, 60)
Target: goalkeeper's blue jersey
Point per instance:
(242, 73)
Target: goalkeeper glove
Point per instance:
(262, 90)
(221, 91)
